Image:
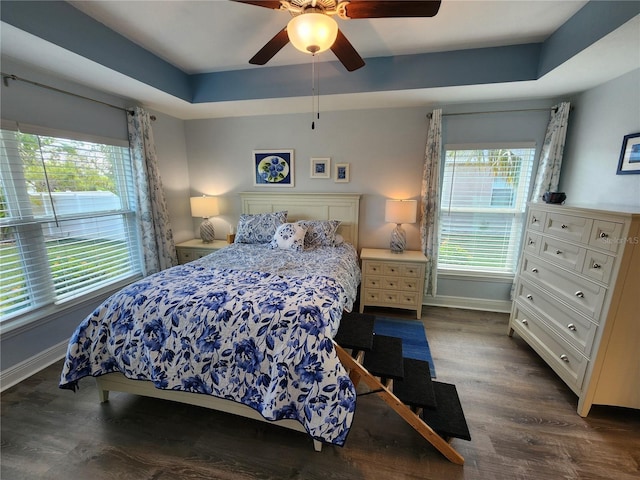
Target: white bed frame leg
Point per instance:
(317, 445)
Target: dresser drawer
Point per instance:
(535, 220)
(582, 294)
(568, 227)
(598, 266)
(562, 253)
(566, 361)
(570, 325)
(606, 235)
(532, 242)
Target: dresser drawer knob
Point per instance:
(564, 358)
(531, 242)
(525, 321)
(579, 294)
(597, 265)
(558, 252)
(604, 235)
(534, 219)
(571, 327)
(534, 270)
(530, 297)
(563, 226)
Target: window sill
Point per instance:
(495, 276)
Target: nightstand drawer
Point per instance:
(372, 282)
(373, 268)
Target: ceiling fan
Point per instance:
(313, 29)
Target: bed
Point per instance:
(246, 330)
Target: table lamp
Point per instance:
(399, 212)
(205, 207)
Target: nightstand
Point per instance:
(196, 248)
(392, 279)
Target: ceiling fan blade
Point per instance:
(345, 52)
(393, 8)
(272, 47)
(275, 4)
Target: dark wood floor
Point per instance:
(522, 419)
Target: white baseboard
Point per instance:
(23, 370)
(501, 306)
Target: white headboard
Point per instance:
(309, 206)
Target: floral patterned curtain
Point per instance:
(154, 228)
(430, 196)
(548, 176)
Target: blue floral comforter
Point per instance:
(249, 334)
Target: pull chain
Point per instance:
(313, 91)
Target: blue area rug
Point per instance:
(412, 333)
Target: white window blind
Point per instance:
(67, 219)
(484, 194)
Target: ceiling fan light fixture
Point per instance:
(312, 32)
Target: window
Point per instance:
(67, 219)
(484, 194)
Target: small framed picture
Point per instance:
(273, 168)
(320, 168)
(341, 173)
(629, 155)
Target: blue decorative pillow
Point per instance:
(259, 227)
(320, 233)
(289, 236)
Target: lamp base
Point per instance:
(398, 240)
(207, 233)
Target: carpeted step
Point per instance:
(356, 331)
(385, 358)
(416, 388)
(448, 418)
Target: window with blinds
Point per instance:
(67, 219)
(483, 201)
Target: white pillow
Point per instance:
(289, 236)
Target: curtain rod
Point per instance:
(7, 76)
(429, 115)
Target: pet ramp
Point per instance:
(432, 408)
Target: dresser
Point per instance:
(196, 248)
(392, 279)
(577, 299)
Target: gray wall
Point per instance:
(601, 118)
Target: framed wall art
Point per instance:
(341, 173)
(273, 168)
(629, 155)
(320, 168)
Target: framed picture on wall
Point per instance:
(273, 168)
(629, 155)
(320, 168)
(342, 173)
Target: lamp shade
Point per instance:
(400, 211)
(312, 32)
(204, 207)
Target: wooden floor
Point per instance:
(522, 419)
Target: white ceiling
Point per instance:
(218, 35)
